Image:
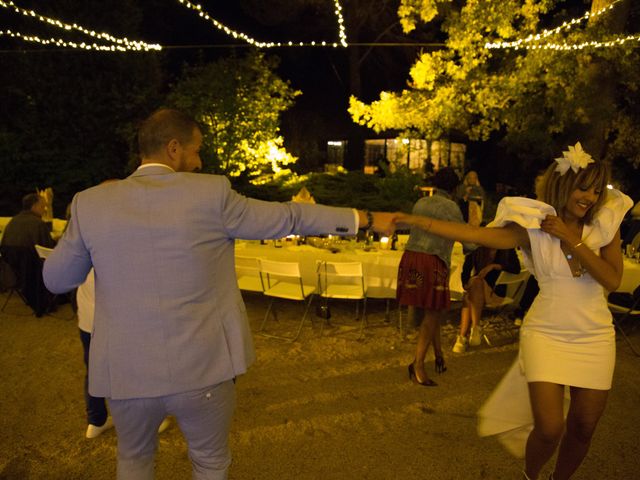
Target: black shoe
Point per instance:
(414, 378)
(441, 367)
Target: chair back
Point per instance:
(515, 283)
(248, 273)
(284, 280)
(281, 269)
(43, 252)
(341, 279)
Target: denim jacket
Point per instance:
(440, 206)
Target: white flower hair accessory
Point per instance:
(575, 158)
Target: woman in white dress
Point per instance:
(571, 242)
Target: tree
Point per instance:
(238, 101)
(361, 69)
(68, 115)
(534, 100)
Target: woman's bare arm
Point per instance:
(605, 268)
(509, 236)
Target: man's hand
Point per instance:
(384, 222)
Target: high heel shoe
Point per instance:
(441, 367)
(414, 378)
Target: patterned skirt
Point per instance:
(423, 281)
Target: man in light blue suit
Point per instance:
(170, 330)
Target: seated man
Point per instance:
(21, 234)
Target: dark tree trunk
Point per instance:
(602, 79)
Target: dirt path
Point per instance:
(322, 408)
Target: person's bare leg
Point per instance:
(476, 300)
(425, 337)
(436, 339)
(546, 403)
(585, 411)
(440, 364)
(465, 316)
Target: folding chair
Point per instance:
(345, 281)
(9, 283)
(626, 307)
(283, 280)
(248, 274)
(515, 284)
(26, 266)
(382, 283)
(455, 295)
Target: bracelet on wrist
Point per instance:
(369, 221)
(577, 245)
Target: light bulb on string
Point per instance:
(567, 25)
(124, 42)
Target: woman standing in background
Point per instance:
(423, 275)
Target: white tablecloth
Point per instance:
(630, 276)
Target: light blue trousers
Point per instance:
(204, 416)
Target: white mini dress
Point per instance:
(567, 336)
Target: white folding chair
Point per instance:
(248, 274)
(284, 280)
(342, 280)
(515, 284)
(455, 295)
(382, 283)
(625, 309)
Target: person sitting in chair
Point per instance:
(486, 264)
(21, 235)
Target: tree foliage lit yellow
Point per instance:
(238, 101)
(532, 97)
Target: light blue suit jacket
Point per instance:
(169, 317)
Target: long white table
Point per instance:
(380, 266)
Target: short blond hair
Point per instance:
(555, 188)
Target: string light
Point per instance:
(566, 26)
(62, 43)
(123, 43)
(614, 42)
(342, 36)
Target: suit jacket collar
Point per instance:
(155, 169)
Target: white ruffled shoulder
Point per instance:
(607, 220)
(526, 212)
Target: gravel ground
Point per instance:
(330, 407)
